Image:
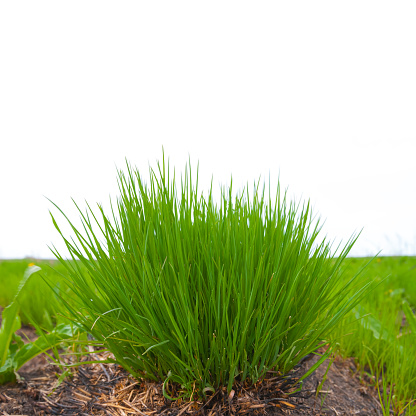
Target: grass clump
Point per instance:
(186, 291)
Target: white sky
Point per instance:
(323, 92)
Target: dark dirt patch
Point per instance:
(343, 393)
(108, 390)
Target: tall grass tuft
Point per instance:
(184, 290)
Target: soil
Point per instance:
(99, 389)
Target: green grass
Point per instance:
(183, 290)
(389, 354)
(14, 352)
(38, 302)
(382, 342)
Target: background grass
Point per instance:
(39, 302)
(380, 338)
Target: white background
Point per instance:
(322, 93)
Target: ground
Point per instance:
(108, 390)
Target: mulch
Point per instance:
(107, 389)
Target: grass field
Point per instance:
(376, 333)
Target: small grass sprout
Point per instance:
(198, 294)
